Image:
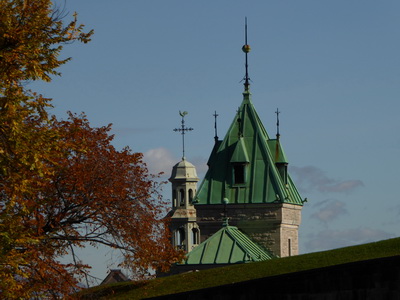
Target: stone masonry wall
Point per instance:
(269, 225)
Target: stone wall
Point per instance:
(269, 225)
(289, 230)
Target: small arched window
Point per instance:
(182, 197)
(181, 236)
(195, 236)
(174, 198)
(190, 196)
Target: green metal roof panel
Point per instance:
(277, 152)
(210, 251)
(227, 246)
(240, 153)
(247, 141)
(237, 254)
(224, 254)
(213, 153)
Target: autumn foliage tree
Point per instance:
(62, 183)
(94, 194)
(100, 195)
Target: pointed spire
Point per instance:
(246, 49)
(183, 130)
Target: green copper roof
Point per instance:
(240, 153)
(277, 151)
(247, 166)
(227, 246)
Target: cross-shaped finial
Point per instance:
(183, 130)
(277, 123)
(215, 125)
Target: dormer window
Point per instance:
(239, 160)
(239, 173)
(283, 171)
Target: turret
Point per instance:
(185, 231)
(184, 184)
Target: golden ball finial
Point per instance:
(246, 48)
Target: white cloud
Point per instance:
(329, 210)
(341, 186)
(331, 239)
(310, 178)
(160, 160)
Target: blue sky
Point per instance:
(331, 67)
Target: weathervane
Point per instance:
(246, 49)
(183, 130)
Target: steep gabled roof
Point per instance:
(247, 144)
(114, 276)
(227, 246)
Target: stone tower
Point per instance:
(185, 231)
(250, 169)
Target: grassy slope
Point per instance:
(243, 272)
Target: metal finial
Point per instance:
(246, 49)
(240, 125)
(277, 123)
(277, 147)
(183, 130)
(215, 126)
(225, 218)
